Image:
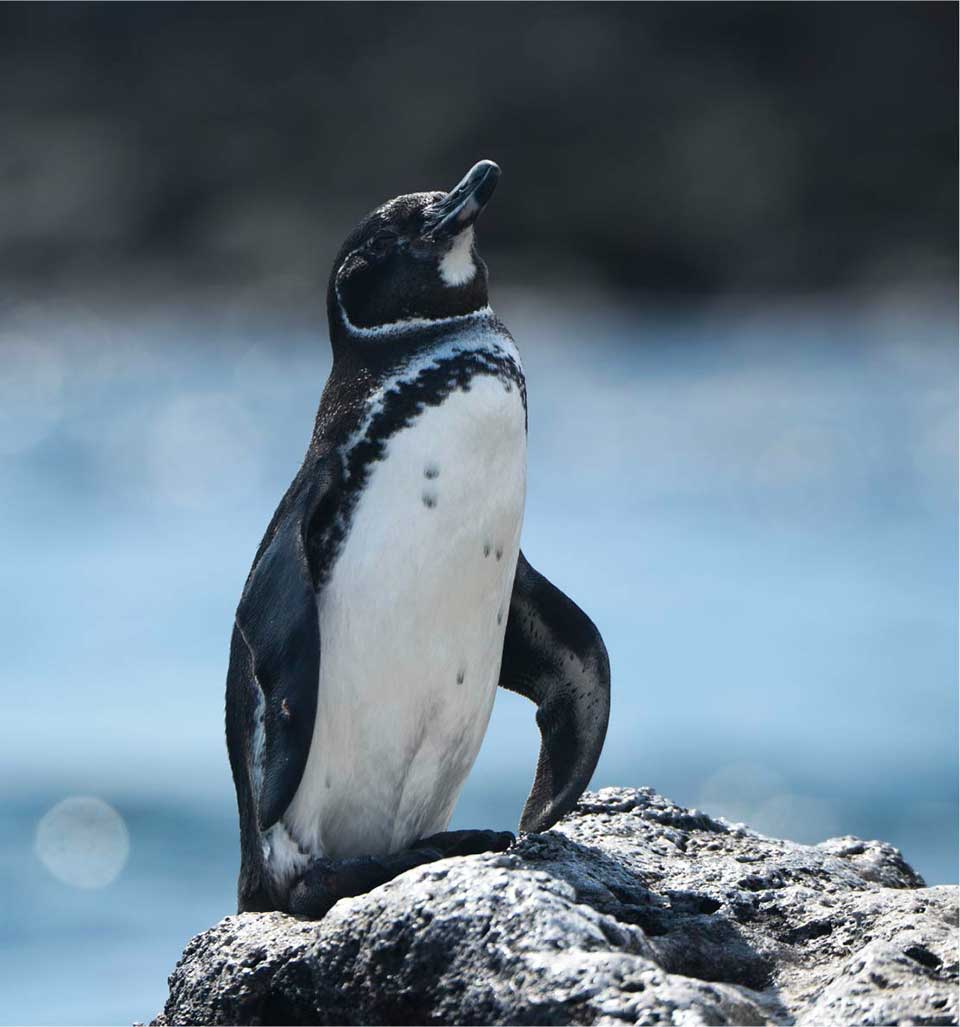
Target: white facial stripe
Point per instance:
(457, 266)
(406, 324)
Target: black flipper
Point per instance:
(277, 618)
(554, 655)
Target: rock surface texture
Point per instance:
(632, 910)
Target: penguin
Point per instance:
(389, 598)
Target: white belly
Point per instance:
(412, 621)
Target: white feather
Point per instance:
(457, 266)
(412, 621)
(282, 854)
(476, 332)
(410, 323)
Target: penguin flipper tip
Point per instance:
(553, 654)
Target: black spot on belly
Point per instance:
(431, 471)
(486, 549)
(429, 500)
(499, 552)
(461, 674)
(500, 616)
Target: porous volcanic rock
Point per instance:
(631, 910)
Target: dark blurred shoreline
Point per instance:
(667, 151)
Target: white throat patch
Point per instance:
(457, 266)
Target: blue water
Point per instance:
(756, 506)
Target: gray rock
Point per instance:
(632, 910)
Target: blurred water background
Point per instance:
(726, 245)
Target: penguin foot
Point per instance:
(468, 843)
(326, 881)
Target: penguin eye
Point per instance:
(381, 244)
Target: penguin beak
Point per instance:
(462, 205)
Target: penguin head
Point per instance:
(413, 259)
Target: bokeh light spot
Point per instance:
(83, 841)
